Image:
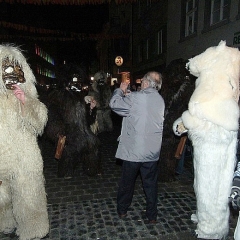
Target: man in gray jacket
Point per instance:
(140, 141)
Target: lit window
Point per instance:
(43, 54)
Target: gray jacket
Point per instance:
(142, 126)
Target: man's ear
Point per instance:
(146, 84)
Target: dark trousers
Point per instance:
(149, 172)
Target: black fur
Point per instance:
(175, 77)
(68, 116)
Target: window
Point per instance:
(139, 53)
(191, 11)
(159, 42)
(216, 13)
(145, 50)
(238, 6)
(149, 3)
(238, 15)
(151, 48)
(219, 11)
(189, 18)
(40, 52)
(139, 10)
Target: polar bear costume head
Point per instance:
(14, 55)
(216, 91)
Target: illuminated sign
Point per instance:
(119, 61)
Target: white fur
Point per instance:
(212, 123)
(23, 203)
(217, 87)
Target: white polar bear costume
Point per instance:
(212, 123)
(23, 203)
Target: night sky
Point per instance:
(79, 19)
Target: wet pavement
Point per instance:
(85, 207)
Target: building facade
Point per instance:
(195, 25)
(163, 31)
(139, 36)
(149, 36)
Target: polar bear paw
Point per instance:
(178, 127)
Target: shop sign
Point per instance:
(119, 61)
(236, 38)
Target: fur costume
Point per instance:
(176, 91)
(101, 94)
(23, 203)
(235, 198)
(212, 123)
(67, 117)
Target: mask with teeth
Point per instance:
(12, 73)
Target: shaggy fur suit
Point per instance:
(212, 124)
(23, 203)
(102, 94)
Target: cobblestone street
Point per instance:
(85, 207)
